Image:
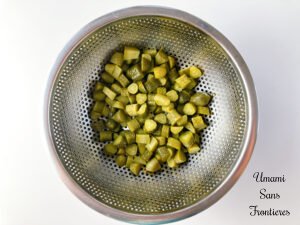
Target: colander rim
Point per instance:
(248, 142)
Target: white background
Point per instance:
(267, 34)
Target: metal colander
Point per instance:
(171, 194)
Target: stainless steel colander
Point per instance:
(172, 194)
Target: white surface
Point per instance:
(266, 33)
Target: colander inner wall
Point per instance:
(79, 148)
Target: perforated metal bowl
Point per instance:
(172, 194)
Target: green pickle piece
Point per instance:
(161, 57)
(117, 58)
(110, 149)
(146, 62)
(200, 99)
(153, 165)
(120, 160)
(135, 73)
(135, 168)
(131, 53)
(105, 136)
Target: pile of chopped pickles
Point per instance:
(147, 112)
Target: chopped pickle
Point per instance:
(141, 86)
(133, 125)
(180, 157)
(163, 153)
(161, 118)
(151, 147)
(195, 72)
(109, 68)
(131, 98)
(141, 98)
(110, 149)
(152, 84)
(168, 108)
(98, 107)
(146, 62)
(131, 53)
(161, 90)
(98, 125)
(173, 75)
(135, 73)
(135, 168)
(151, 99)
(177, 87)
(95, 115)
(105, 136)
(161, 140)
(132, 110)
(119, 141)
(151, 52)
(166, 66)
(174, 143)
(120, 116)
(198, 123)
(191, 85)
(184, 71)
(122, 79)
(161, 57)
(131, 149)
(117, 58)
(150, 125)
(159, 72)
(184, 97)
(129, 161)
(121, 160)
(165, 131)
(193, 149)
(172, 61)
(118, 105)
(133, 88)
(107, 78)
(98, 86)
(146, 111)
(140, 160)
(117, 72)
(106, 111)
(147, 155)
(189, 126)
(200, 99)
(161, 100)
(129, 136)
(172, 95)
(142, 138)
(109, 101)
(142, 148)
(99, 95)
(176, 130)
(173, 116)
(183, 81)
(163, 81)
(110, 124)
(109, 93)
(171, 163)
(203, 110)
(187, 139)
(189, 109)
(116, 88)
(153, 165)
(143, 110)
(180, 108)
(121, 151)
